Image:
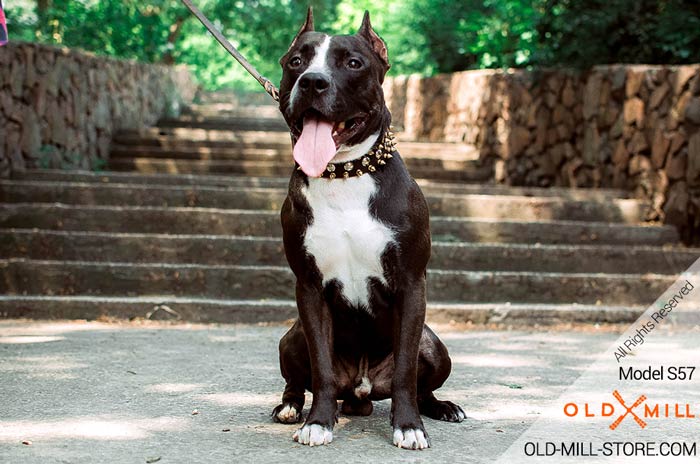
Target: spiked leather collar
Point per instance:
(375, 159)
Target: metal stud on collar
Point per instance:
(369, 163)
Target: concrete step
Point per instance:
(199, 167)
(428, 186)
(261, 152)
(464, 205)
(195, 138)
(413, 158)
(256, 311)
(164, 136)
(246, 250)
(117, 177)
(226, 123)
(227, 108)
(189, 142)
(145, 219)
(39, 277)
(185, 220)
(235, 98)
(630, 211)
(472, 171)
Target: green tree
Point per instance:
(423, 36)
(586, 32)
(260, 29)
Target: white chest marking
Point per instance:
(352, 152)
(344, 239)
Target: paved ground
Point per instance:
(98, 392)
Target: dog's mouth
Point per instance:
(342, 131)
(318, 139)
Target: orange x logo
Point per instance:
(628, 410)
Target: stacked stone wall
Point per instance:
(633, 127)
(60, 107)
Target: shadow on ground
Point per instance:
(90, 392)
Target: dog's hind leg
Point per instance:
(434, 367)
(296, 370)
(446, 411)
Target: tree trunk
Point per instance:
(42, 6)
(42, 13)
(174, 33)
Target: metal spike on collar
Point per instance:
(375, 158)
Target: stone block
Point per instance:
(659, 148)
(620, 155)
(639, 164)
(591, 95)
(681, 77)
(634, 112)
(591, 145)
(693, 173)
(676, 166)
(638, 143)
(31, 134)
(658, 95)
(692, 111)
(634, 82)
(676, 206)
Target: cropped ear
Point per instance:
(374, 40)
(307, 27)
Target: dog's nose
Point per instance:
(314, 82)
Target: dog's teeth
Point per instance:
(341, 126)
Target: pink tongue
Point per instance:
(315, 147)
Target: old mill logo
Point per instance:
(640, 410)
(628, 410)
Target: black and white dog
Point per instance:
(357, 237)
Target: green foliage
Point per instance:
(21, 20)
(587, 32)
(395, 21)
(261, 30)
(423, 36)
(477, 33)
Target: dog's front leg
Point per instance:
(318, 330)
(409, 317)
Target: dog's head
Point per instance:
(331, 92)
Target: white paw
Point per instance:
(287, 414)
(410, 439)
(461, 415)
(313, 435)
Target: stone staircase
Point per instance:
(185, 224)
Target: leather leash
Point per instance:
(265, 82)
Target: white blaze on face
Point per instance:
(315, 146)
(319, 64)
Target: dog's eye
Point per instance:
(295, 62)
(354, 63)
